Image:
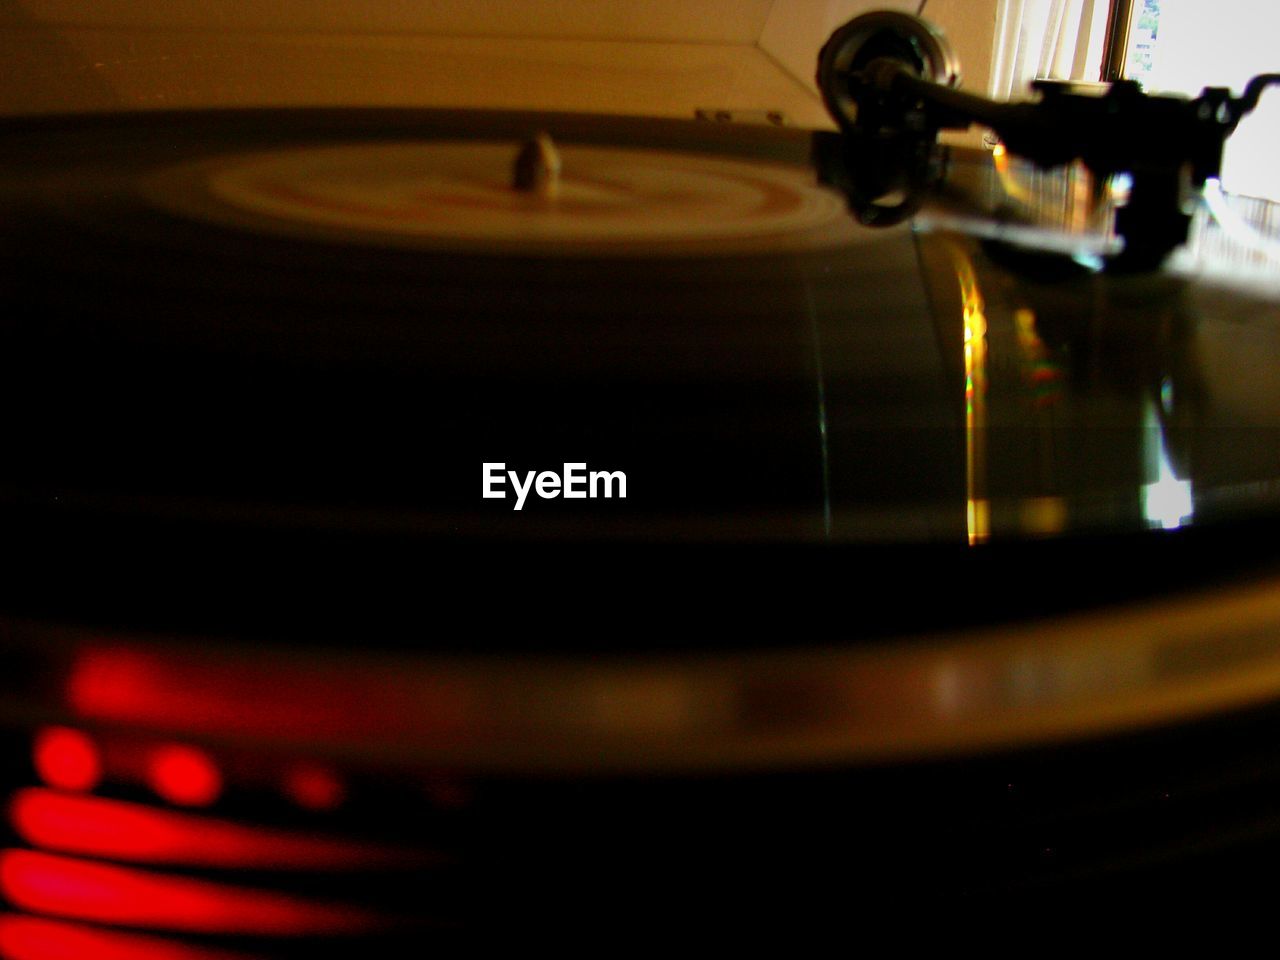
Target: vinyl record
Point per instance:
(296, 375)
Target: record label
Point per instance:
(611, 200)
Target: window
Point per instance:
(1182, 46)
(1054, 39)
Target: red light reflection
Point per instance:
(282, 697)
(29, 938)
(65, 887)
(315, 787)
(67, 759)
(114, 829)
(184, 775)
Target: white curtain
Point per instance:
(1055, 39)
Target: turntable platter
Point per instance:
(894, 495)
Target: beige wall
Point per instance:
(657, 57)
(693, 21)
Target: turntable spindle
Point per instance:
(537, 167)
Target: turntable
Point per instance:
(425, 525)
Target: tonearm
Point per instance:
(889, 79)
